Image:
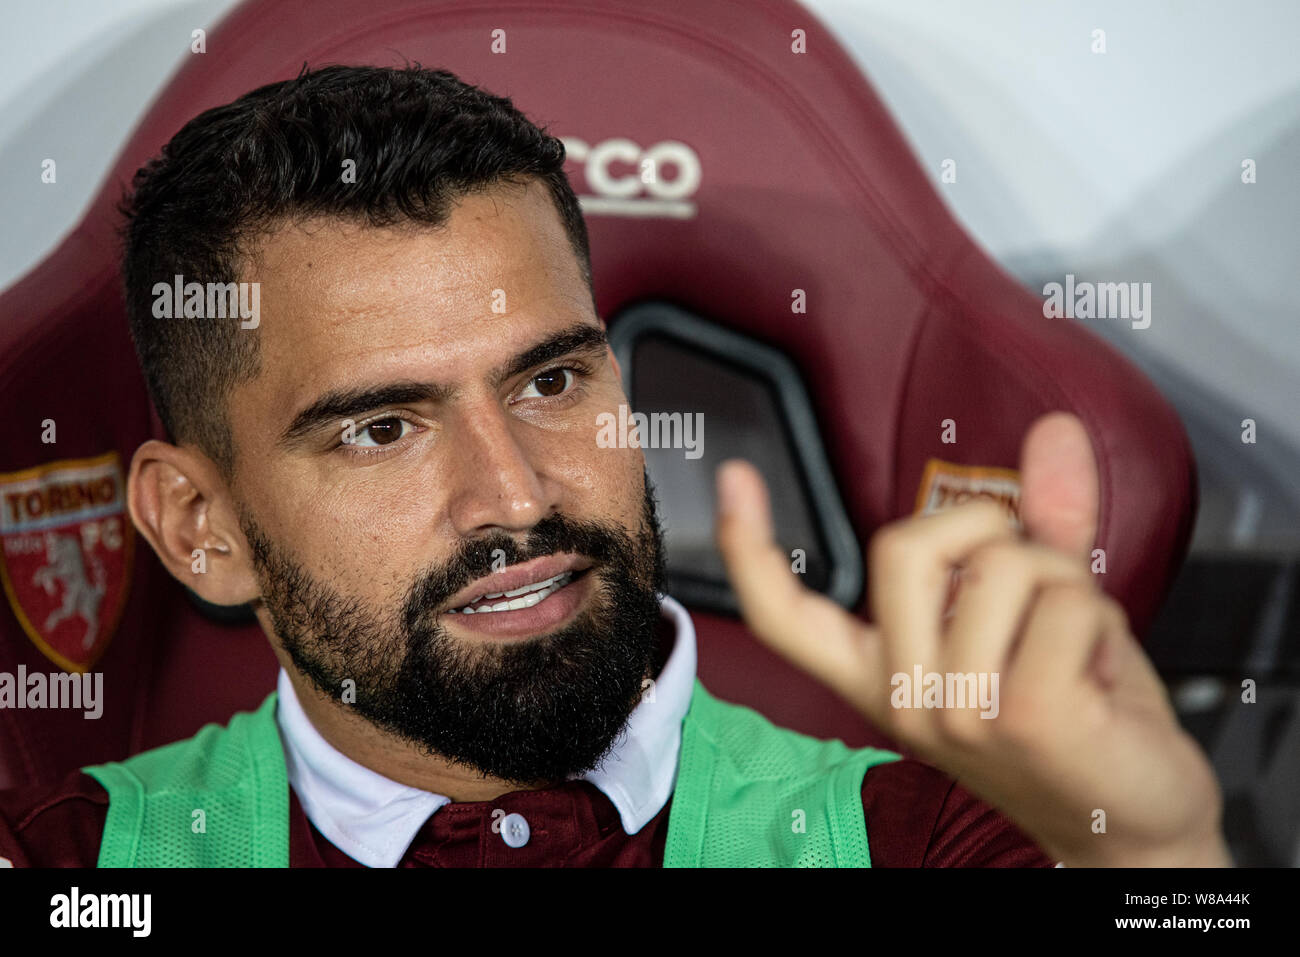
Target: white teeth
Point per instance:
(535, 586)
(525, 596)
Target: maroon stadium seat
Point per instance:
(789, 175)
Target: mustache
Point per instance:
(600, 543)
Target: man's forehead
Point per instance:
(339, 297)
(508, 238)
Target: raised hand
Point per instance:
(1083, 733)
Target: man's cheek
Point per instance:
(618, 487)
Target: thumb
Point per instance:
(1060, 497)
(806, 628)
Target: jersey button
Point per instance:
(514, 830)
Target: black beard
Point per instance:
(532, 712)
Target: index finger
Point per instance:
(806, 628)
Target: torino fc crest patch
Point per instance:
(66, 555)
(945, 484)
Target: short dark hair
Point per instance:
(420, 139)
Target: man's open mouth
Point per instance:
(525, 596)
(526, 599)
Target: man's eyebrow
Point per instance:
(577, 338)
(339, 404)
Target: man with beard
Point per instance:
(396, 466)
(543, 708)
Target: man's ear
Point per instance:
(180, 503)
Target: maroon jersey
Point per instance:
(916, 817)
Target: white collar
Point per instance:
(374, 819)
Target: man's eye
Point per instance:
(381, 432)
(552, 382)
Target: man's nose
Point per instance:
(498, 483)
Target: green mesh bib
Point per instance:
(748, 794)
(218, 799)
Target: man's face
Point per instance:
(422, 434)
